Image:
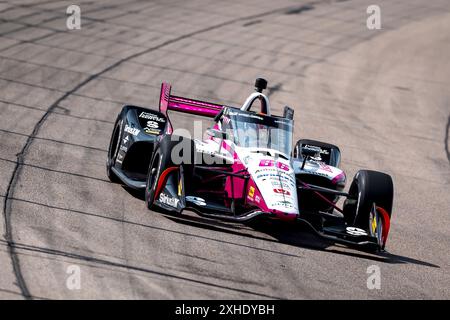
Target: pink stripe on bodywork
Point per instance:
(339, 177)
(200, 108)
(196, 107)
(235, 184)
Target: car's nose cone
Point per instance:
(275, 180)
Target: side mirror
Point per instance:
(216, 133)
(308, 152)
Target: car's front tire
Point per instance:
(368, 187)
(113, 151)
(162, 161)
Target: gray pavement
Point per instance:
(381, 95)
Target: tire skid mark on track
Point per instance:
(446, 140)
(57, 171)
(65, 110)
(96, 98)
(58, 113)
(62, 16)
(28, 5)
(21, 155)
(204, 75)
(135, 268)
(131, 223)
(53, 140)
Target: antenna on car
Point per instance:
(260, 84)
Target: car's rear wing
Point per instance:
(200, 108)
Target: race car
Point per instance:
(245, 167)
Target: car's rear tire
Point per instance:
(368, 187)
(113, 151)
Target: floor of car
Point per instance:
(135, 175)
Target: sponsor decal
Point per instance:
(271, 163)
(123, 148)
(251, 192)
(266, 163)
(265, 170)
(322, 151)
(196, 200)
(257, 199)
(285, 204)
(152, 128)
(282, 191)
(170, 201)
(152, 124)
(356, 231)
(125, 140)
(133, 131)
(282, 166)
(325, 167)
(268, 175)
(152, 131)
(151, 116)
(276, 183)
(275, 177)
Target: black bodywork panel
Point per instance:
(139, 131)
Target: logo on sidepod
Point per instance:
(133, 131)
(170, 201)
(151, 116)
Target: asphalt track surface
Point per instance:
(381, 95)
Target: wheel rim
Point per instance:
(152, 178)
(379, 229)
(376, 226)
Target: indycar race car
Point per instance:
(244, 167)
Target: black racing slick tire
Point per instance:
(113, 151)
(368, 187)
(162, 161)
